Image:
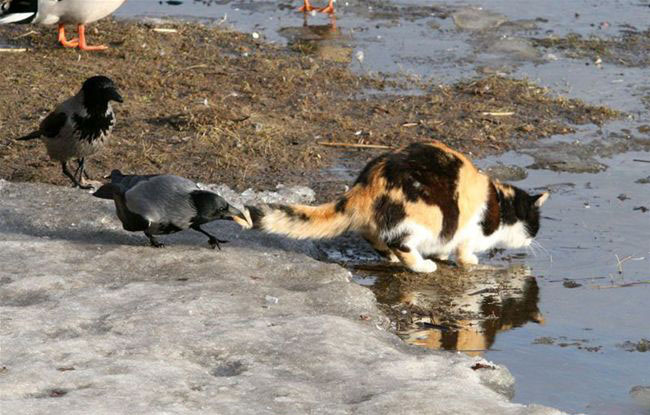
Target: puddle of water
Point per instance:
(589, 225)
(416, 36)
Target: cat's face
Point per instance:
(521, 218)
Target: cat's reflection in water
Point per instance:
(465, 314)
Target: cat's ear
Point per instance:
(541, 198)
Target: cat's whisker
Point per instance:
(543, 249)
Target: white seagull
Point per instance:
(61, 12)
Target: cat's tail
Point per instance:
(316, 222)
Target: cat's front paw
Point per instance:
(468, 259)
(424, 266)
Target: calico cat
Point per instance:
(421, 201)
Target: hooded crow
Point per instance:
(80, 126)
(164, 204)
(61, 12)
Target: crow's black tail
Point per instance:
(30, 136)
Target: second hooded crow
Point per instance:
(79, 126)
(164, 204)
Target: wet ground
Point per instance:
(570, 320)
(260, 111)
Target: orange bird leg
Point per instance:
(307, 7)
(81, 29)
(72, 43)
(329, 9)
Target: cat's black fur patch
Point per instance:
(492, 214)
(381, 252)
(388, 213)
(256, 215)
(427, 173)
(522, 207)
(531, 219)
(340, 205)
(290, 212)
(508, 212)
(364, 177)
(397, 242)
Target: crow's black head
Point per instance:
(98, 91)
(210, 206)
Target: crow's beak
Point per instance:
(114, 173)
(113, 95)
(239, 217)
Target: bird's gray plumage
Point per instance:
(163, 204)
(80, 126)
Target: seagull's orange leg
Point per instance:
(333, 22)
(72, 43)
(329, 9)
(81, 29)
(307, 7)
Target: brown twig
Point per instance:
(379, 146)
(627, 284)
(641, 161)
(499, 114)
(164, 30)
(31, 32)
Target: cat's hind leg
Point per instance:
(413, 260)
(465, 255)
(381, 247)
(405, 243)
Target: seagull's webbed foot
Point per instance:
(72, 43)
(329, 9)
(81, 29)
(154, 242)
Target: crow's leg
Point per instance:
(78, 174)
(82, 171)
(214, 242)
(64, 168)
(154, 242)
